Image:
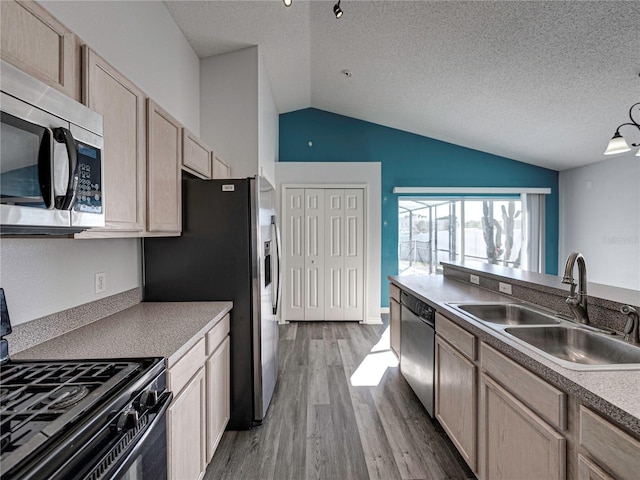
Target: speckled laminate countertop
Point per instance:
(614, 393)
(163, 329)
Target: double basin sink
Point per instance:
(571, 345)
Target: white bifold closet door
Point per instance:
(324, 234)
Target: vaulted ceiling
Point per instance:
(543, 82)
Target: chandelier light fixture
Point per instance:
(618, 144)
(287, 3)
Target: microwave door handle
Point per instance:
(45, 168)
(63, 135)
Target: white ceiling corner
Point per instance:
(543, 82)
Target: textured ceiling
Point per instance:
(543, 82)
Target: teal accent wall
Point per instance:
(410, 160)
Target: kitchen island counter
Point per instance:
(614, 393)
(153, 329)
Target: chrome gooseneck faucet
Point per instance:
(577, 301)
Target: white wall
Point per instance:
(143, 42)
(229, 108)
(238, 114)
(367, 173)
(600, 217)
(268, 125)
(45, 276)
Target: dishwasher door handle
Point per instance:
(428, 321)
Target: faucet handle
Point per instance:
(632, 320)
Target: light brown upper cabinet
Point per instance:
(122, 106)
(220, 168)
(38, 44)
(196, 156)
(164, 158)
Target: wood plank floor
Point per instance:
(341, 410)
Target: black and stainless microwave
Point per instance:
(51, 171)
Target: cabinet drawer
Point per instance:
(217, 334)
(543, 398)
(464, 341)
(608, 445)
(185, 368)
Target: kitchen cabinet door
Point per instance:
(220, 169)
(164, 157)
(588, 470)
(186, 431)
(456, 399)
(122, 106)
(395, 332)
(38, 44)
(196, 156)
(609, 446)
(218, 395)
(514, 442)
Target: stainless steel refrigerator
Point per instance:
(229, 250)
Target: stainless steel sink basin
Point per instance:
(507, 314)
(578, 346)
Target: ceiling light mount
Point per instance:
(618, 144)
(337, 11)
(346, 73)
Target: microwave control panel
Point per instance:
(89, 192)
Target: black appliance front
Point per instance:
(84, 419)
(214, 260)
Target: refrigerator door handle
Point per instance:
(278, 283)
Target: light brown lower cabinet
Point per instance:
(218, 404)
(199, 412)
(455, 403)
(186, 431)
(515, 443)
(395, 332)
(610, 449)
(588, 470)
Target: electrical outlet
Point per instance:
(475, 279)
(505, 288)
(101, 282)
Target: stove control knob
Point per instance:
(148, 399)
(127, 420)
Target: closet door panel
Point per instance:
(334, 254)
(314, 254)
(354, 254)
(294, 254)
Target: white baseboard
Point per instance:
(384, 309)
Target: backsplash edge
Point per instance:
(29, 334)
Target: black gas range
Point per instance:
(82, 419)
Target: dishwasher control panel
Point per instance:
(418, 307)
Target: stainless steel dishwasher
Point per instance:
(417, 350)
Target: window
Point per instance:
(486, 229)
